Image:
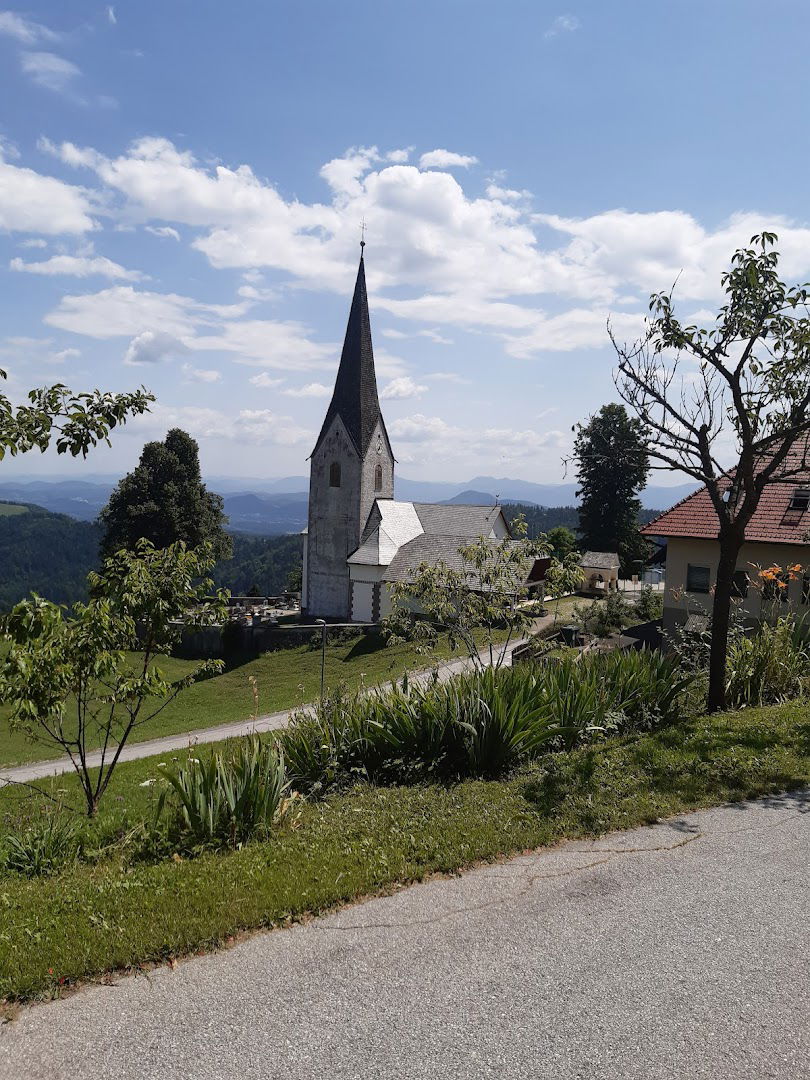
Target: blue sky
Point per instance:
(182, 183)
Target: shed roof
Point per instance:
(600, 560)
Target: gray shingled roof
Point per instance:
(600, 560)
(457, 519)
(355, 395)
(433, 549)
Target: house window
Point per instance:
(739, 584)
(378, 478)
(800, 500)
(334, 474)
(697, 578)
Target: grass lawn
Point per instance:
(284, 679)
(12, 510)
(109, 915)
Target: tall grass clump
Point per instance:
(769, 666)
(43, 848)
(226, 797)
(478, 723)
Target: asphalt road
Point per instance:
(675, 951)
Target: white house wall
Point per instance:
(681, 552)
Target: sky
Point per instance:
(183, 182)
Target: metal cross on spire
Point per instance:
(362, 235)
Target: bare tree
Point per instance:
(728, 406)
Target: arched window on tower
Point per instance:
(334, 474)
(378, 478)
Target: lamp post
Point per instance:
(322, 624)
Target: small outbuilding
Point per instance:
(601, 569)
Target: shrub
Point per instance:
(42, 849)
(649, 604)
(604, 616)
(226, 797)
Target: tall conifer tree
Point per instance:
(612, 467)
(164, 500)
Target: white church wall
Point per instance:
(362, 601)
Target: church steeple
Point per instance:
(355, 395)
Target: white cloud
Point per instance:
(535, 280)
(62, 355)
(402, 389)
(563, 24)
(33, 242)
(30, 202)
(122, 311)
(256, 426)
(25, 30)
(446, 159)
(49, 71)
(111, 18)
(261, 425)
(152, 346)
(311, 390)
(495, 191)
(77, 266)
(430, 437)
(165, 231)
(399, 157)
(264, 381)
(204, 375)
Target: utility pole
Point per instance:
(322, 624)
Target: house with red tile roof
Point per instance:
(777, 535)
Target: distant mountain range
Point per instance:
(271, 507)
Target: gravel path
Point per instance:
(674, 952)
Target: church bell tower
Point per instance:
(351, 466)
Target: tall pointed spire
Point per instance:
(355, 395)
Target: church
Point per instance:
(359, 538)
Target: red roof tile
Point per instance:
(773, 522)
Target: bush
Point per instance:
(604, 616)
(227, 797)
(649, 605)
(42, 849)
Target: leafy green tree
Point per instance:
(562, 541)
(480, 599)
(71, 678)
(164, 500)
(77, 422)
(612, 467)
(752, 388)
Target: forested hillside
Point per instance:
(542, 518)
(52, 554)
(260, 564)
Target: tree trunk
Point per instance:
(721, 618)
